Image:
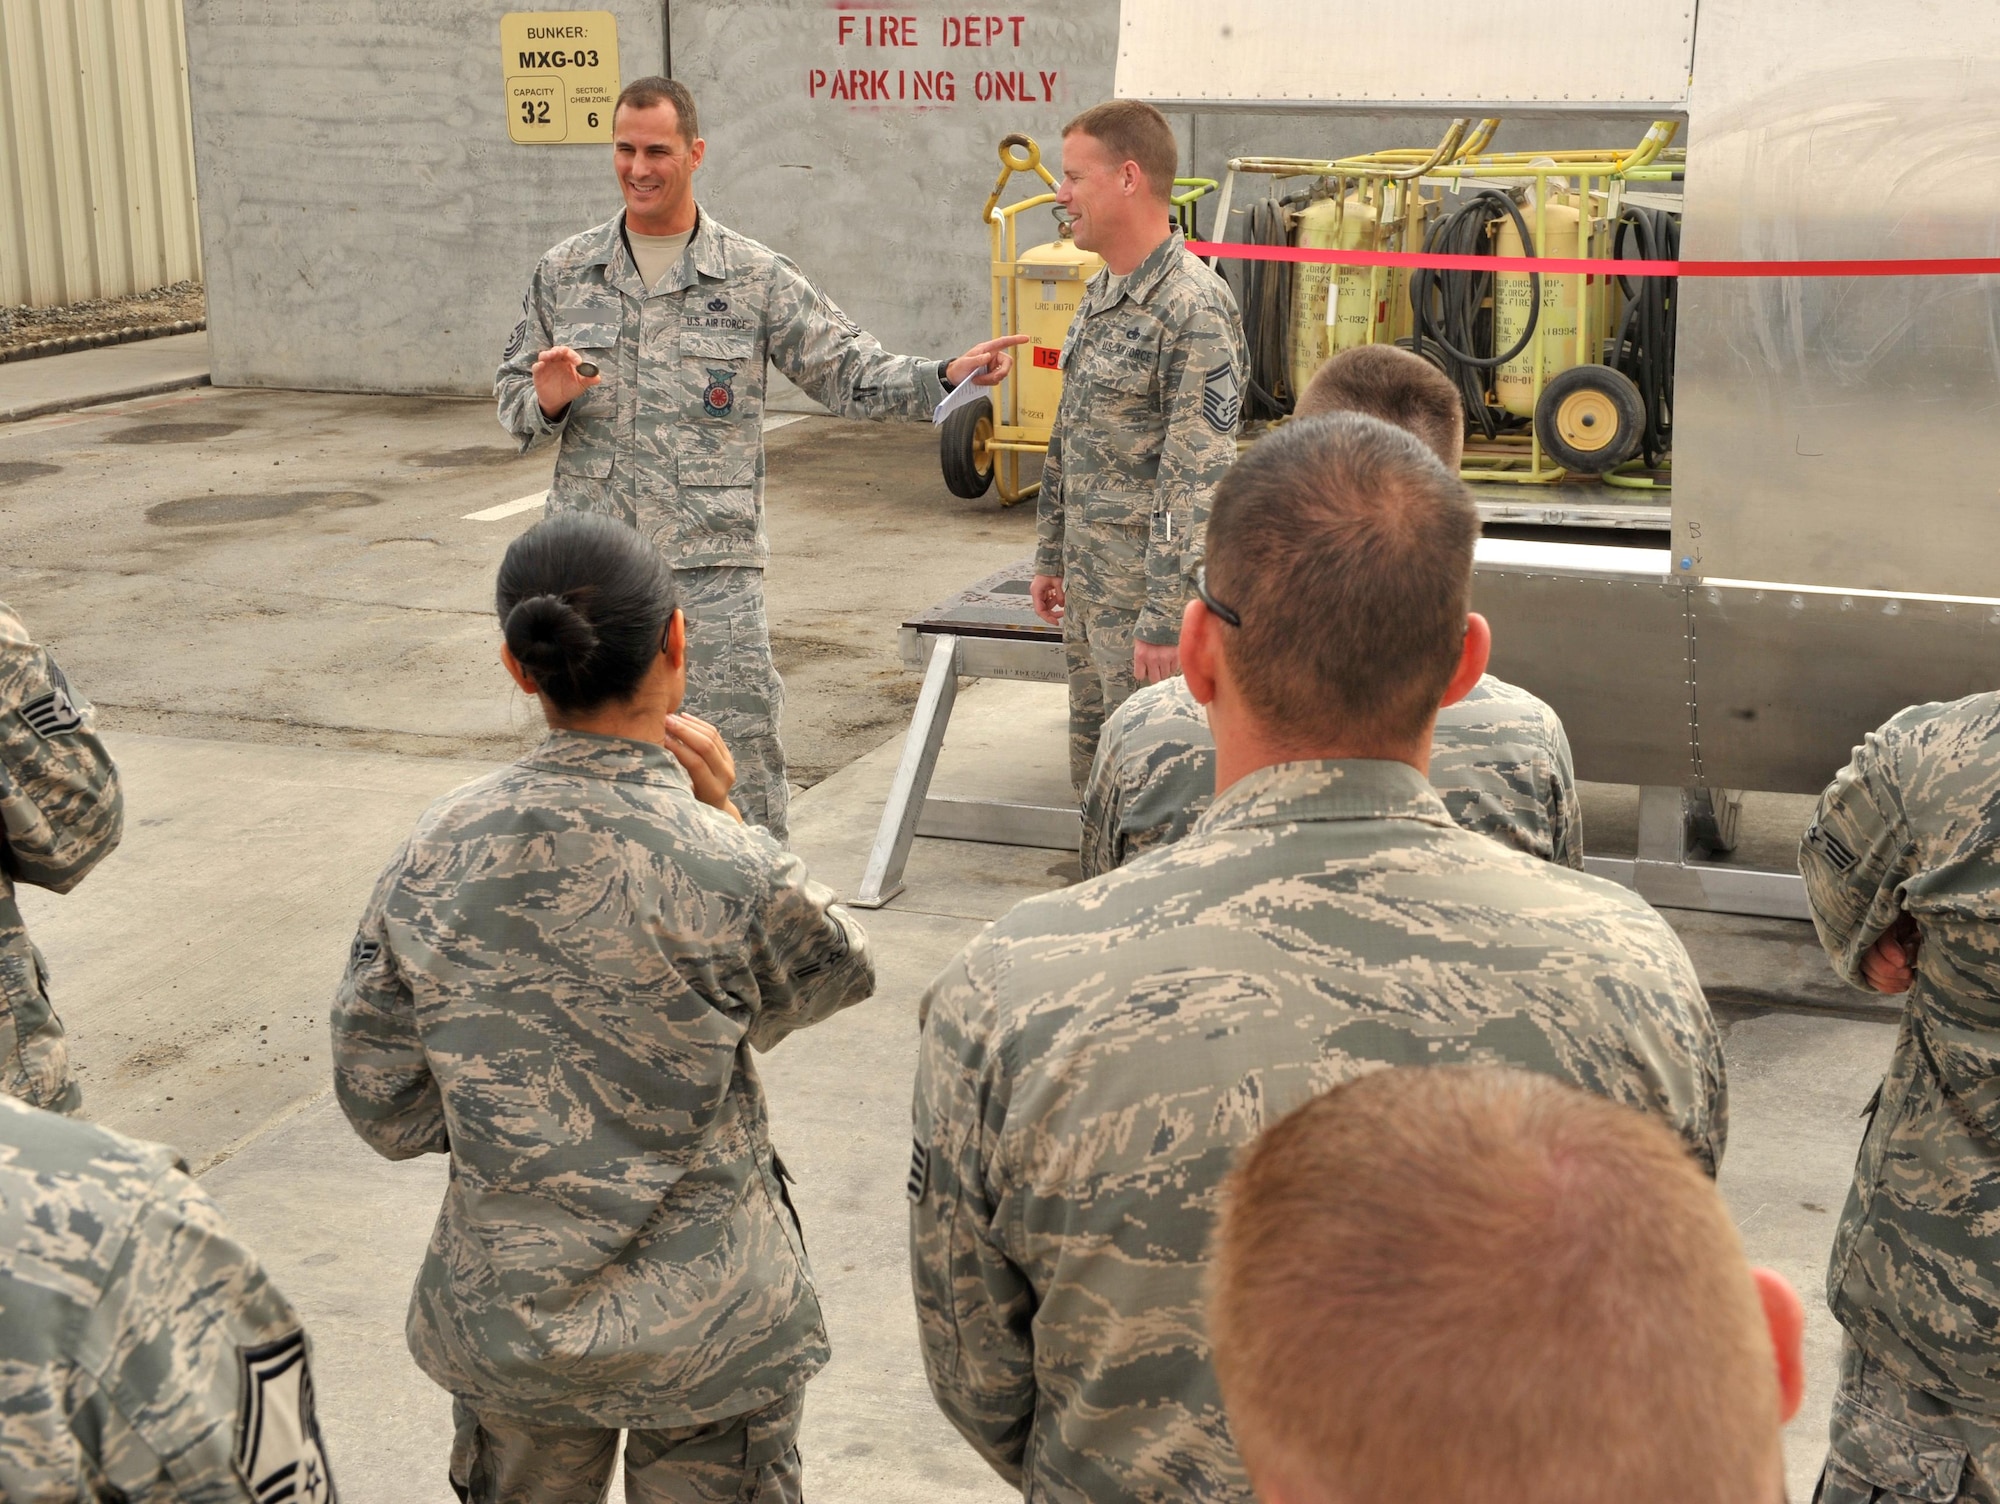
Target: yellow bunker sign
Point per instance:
(561, 68)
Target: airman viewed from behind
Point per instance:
(679, 316)
(558, 982)
(61, 813)
(1499, 757)
(1480, 1286)
(1152, 398)
(1900, 872)
(1091, 1064)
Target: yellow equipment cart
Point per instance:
(1035, 292)
(1552, 343)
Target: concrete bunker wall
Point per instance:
(369, 226)
(366, 223)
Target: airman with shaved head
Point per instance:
(1091, 1065)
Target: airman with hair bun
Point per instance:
(558, 982)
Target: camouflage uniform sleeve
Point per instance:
(1854, 857)
(1049, 507)
(61, 809)
(199, 1368)
(1203, 382)
(1103, 797)
(514, 383)
(812, 957)
(1565, 807)
(1707, 1134)
(838, 363)
(380, 1072)
(975, 1307)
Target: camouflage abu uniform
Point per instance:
(1152, 370)
(1092, 1064)
(557, 982)
(144, 1355)
(1912, 826)
(61, 813)
(672, 439)
(1499, 759)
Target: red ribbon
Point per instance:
(1960, 266)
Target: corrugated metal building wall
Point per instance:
(96, 154)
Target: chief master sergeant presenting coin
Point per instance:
(678, 316)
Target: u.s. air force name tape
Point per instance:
(1921, 266)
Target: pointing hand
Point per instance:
(992, 356)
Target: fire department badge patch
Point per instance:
(719, 398)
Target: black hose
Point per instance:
(1644, 349)
(1453, 309)
(1267, 314)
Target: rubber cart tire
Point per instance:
(1591, 419)
(965, 450)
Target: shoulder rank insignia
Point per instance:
(1221, 399)
(278, 1449)
(51, 714)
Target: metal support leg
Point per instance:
(883, 879)
(1665, 878)
(1663, 826)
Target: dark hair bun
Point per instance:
(551, 639)
(583, 601)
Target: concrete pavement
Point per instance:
(143, 368)
(194, 968)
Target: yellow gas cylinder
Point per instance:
(1362, 295)
(1335, 307)
(1514, 383)
(1317, 228)
(1048, 284)
(1410, 224)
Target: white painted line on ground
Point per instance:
(507, 508)
(515, 508)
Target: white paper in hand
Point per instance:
(959, 395)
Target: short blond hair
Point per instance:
(1473, 1285)
(1396, 386)
(1133, 131)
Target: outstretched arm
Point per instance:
(841, 365)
